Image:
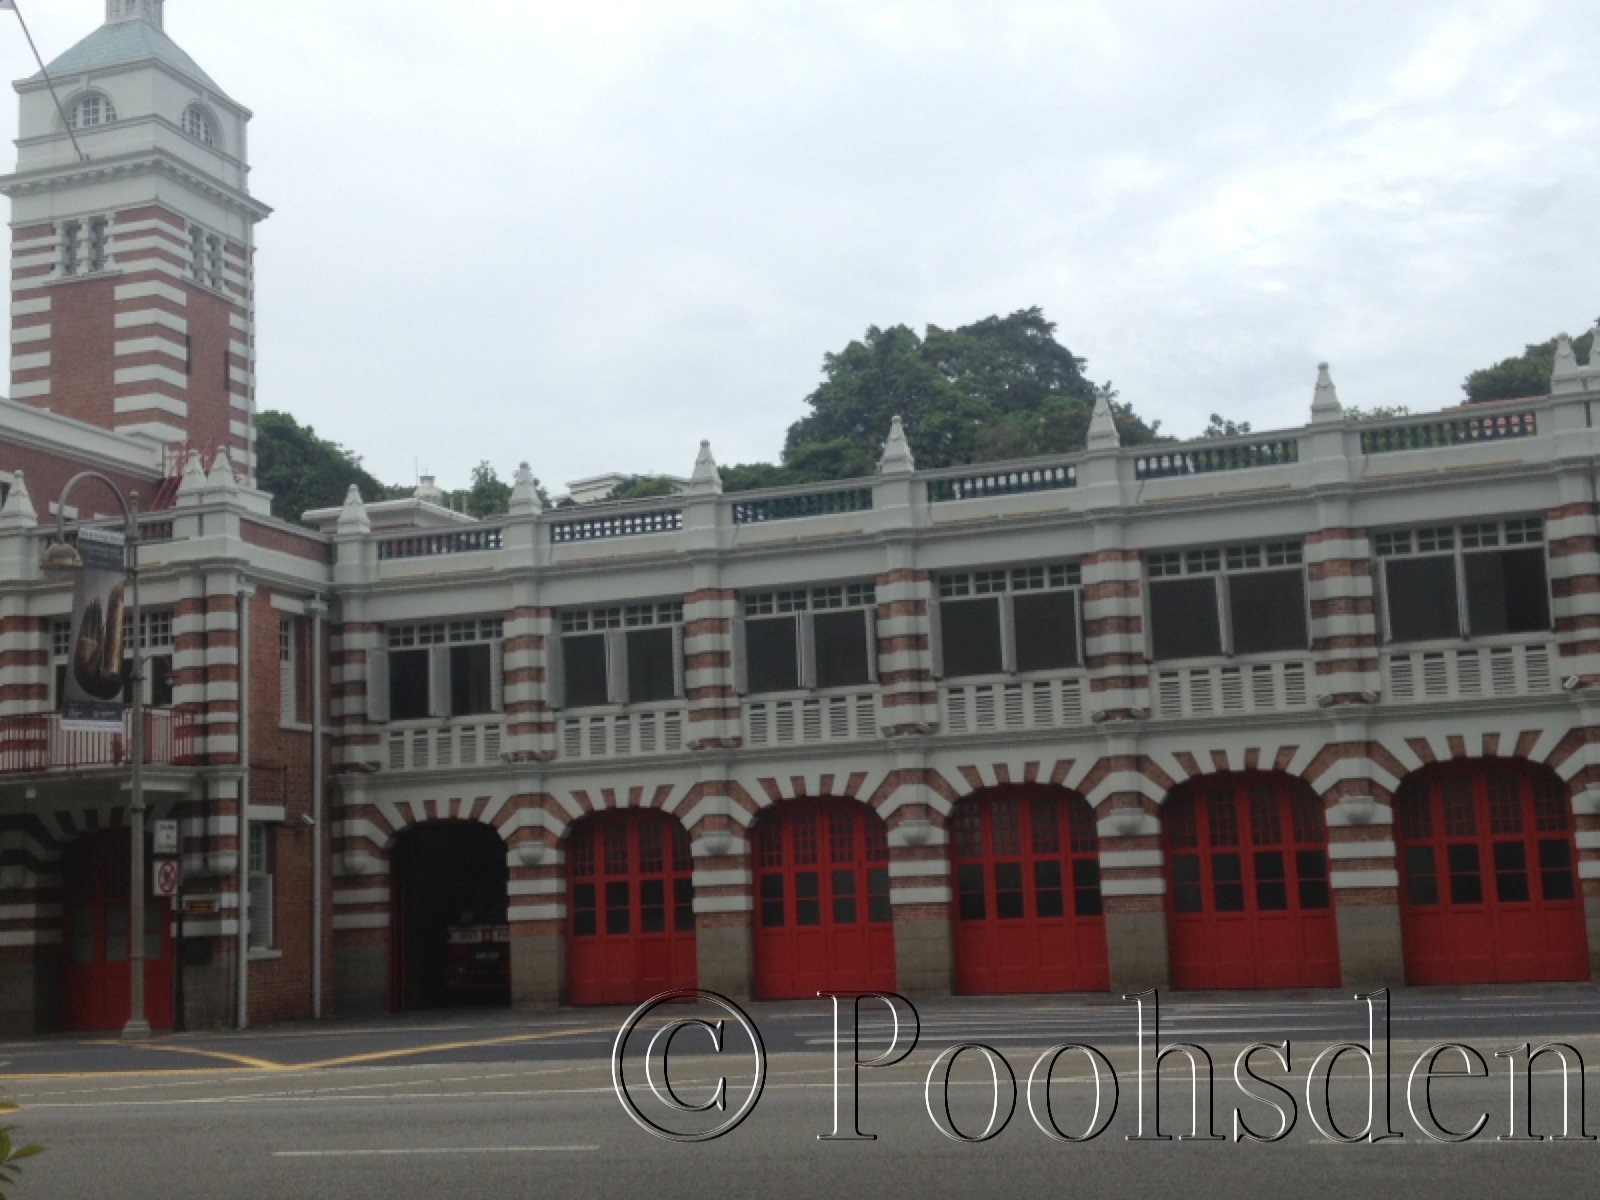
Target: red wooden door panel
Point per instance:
(630, 908)
(1028, 914)
(823, 920)
(1489, 888)
(95, 938)
(1248, 902)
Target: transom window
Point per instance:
(93, 109)
(1471, 580)
(1009, 619)
(1217, 600)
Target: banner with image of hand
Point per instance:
(92, 697)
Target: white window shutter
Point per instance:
(741, 658)
(497, 676)
(260, 911)
(1083, 633)
(377, 686)
(1008, 634)
(871, 615)
(616, 666)
(935, 640)
(679, 684)
(438, 681)
(806, 647)
(555, 672)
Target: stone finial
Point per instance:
(1103, 433)
(1566, 360)
(19, 512)
(705, 480)
(525, 500)
(353, 516)
(897, 458)
(1325, 404)
(194, 475)
(221, 476)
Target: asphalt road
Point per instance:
(485, 1105)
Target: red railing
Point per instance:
(36, 742)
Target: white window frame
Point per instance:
(1006, 583)
(614, 622)
(1510, 532)
(437, 638)
(804, 604)
(1223, 562)
(260, 900)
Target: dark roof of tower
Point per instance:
(127, 42)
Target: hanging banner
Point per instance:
(92, 696)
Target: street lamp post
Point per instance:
(61, 557)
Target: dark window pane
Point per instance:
(844, 910)
(583, 895)
(1421, 885)
(878, 908)
(1226, 868)
(652, 920)
(1047, 875)
(583, 923)
(652, 891)
(650, 670)
(1422, 598)
(683, 903)
(841, 646)
(1047, 631)
(1227, 892)
(1555, 870)
(1268, 611)
(772, 654)
(1186, 898)
(807, 912)
(583, 661)
(1272, 893)
(471, 690)
(1047, 889)
(617, 907)
(408, 685)
(1008, 905)
(1511, 872)
(970, 635)
(1463, 859)
(1183, 618)
(970, 906)
(1313, 894)
(1506, 592)
(844, 882)
(1185, 868)
(1008, 876)
(1086, 887)
(807, 884)
(772, 913)
(1465, 885)
(772, 887)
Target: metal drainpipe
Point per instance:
(316, 809)
(245, 595)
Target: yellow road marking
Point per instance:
(261, 1064)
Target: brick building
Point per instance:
(1303, 708)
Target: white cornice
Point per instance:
(145, 162)
(37, 429)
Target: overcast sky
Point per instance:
(590, 233)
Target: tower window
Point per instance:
(197, 125)
(97, 243)
(90, 111)
(71, 231)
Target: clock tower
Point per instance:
(133, 243)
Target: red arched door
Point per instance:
(1028, 914)
(1248, 904)
(1489, 887)
(630, 908)
(95, 942)
(823, 921)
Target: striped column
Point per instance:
(708, 680)
(238, 281)
(1344, 631)
(908, 694)
(1572, 534)
(1120, 787)
(35, 252)
(1113, 634)
(356, 742)
(150, 391)
(530, 722)
(219, 733)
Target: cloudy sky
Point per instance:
(588, 233)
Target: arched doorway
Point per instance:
(95, 938)
(451, 944)
(1028, 914)
(823, 920)
(1489, 888)
(1248, 900)
(630, 908)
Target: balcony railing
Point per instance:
(431, 545)
(609, 734)
(37, 742)
(810, 721)
(1470, 673)
(449, 746)
(992, 707)
(1433, 432)
(824, 503)
(1209, 691)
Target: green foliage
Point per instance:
(304, 471)
(1221, 427)
(11, 1154)
(745, 476)
(1378, 412)
(642, 487)
(1528, 374)
(488, 496)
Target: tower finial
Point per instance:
(134, 10)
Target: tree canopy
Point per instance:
(1000, 388)
(1527, 374)
(304, 471)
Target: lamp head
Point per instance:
(61, 558)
